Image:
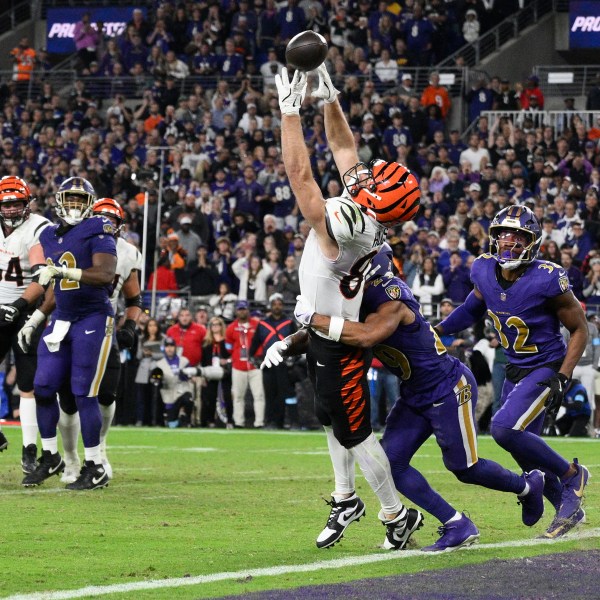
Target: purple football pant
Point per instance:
(80, 359)
(451, 419)
(516, 427)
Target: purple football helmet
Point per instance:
(517, 220)
(381, 263)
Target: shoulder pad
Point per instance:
(344, 219)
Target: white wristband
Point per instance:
(336, 324)
(72, 274)
(37, 317)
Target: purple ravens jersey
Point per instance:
(414, 353)
(526, 329)
(74, 248)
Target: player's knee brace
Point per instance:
(44, 400)
(505, 437)
(106, 399)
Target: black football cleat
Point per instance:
(3, 442)
(91, 477)
(29, 460)
(48, 465)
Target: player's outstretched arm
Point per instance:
(295, 155)
(465, 315)
(377, 327)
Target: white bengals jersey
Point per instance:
(15, 270)
(335, 287)
(128, 259)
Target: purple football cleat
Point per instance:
(532, 504)
(560, 526)
(454, 535)
(572, 494)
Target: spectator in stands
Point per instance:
(436, 94)
(288, 284)
(253, 275)
(139, 23)
(418, 32)
(188, 336)
(475, 154)
(238, 339)
(579, 241)
(479, 98)
(149, 351)
(471, 26)
(86, 41)
(574, 273)
(416, 120)
(532, 90)
(386, 69)
(215, 353)
(457, 278)
(428, 286)
(159, 36)
(574, 422)
(201, 274)
(164, 276)
(223, 303)
(276, 381)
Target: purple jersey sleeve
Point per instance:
(414, 353)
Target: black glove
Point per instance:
(126, 335)
(558, 384)
(9, 313)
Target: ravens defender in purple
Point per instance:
(438, 395)
(81, 260)
(528, 300)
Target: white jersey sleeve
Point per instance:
(335, 287)
(128, 260)
(15, 269)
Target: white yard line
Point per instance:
(153, 584)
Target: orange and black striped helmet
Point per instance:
(387, 191)
(14, 189)
(107, 207)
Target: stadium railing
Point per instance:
(507, 30)
(558, 119)
(15, 12)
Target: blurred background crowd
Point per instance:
(177, 118)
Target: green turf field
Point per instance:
(209, 506)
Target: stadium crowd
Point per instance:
(231, 235)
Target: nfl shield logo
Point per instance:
(503, 297)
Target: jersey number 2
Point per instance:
(67, 260)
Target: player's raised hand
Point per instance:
(274, 355)
(26, 332)
(291, 93)
(326, 90)
(303, 311)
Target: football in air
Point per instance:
(306, 51)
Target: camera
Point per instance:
(156, 377)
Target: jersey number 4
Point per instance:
(13, 271)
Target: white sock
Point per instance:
(93, 454)
(374, 464)
(343, 466)
(457, 516)
(525, 491)
(50, 444)
(69, 428)
(29, 426)
(108, 413)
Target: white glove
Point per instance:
(49, 272)
(274, 357)
(291, 94)
(26, 332)
(303, 311)
(326, 91)
(190, 371)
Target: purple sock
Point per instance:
(47, 416)
(491, 475)
(91, 420)
(410, 483)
